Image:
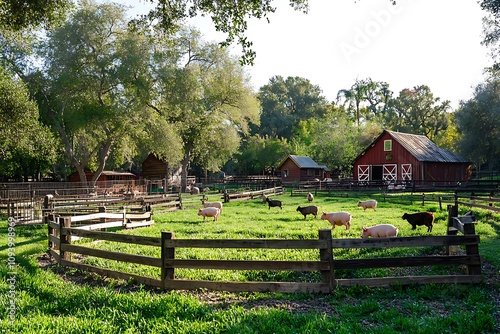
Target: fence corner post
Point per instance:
(326, 255)
(65, 237)
(167, 253)
(473, 249)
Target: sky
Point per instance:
(416, 42)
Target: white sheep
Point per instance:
(371, 203)
(338, 218)
(209, 212)
(217, 205)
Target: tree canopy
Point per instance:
(285, 102)
(478, 120)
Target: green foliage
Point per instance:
(205, 94)
(31, 14)
(260, 155)
(287, 102)
(478, 120)
(227, 17)
(27, 148)
(417, 111)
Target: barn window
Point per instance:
(388, 145)
(285, 173)
(309, 172)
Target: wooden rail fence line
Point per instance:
(246, 195)
(485, 202)
(60, 233)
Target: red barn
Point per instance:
(155, 168)
(300, 168)
(396, 157)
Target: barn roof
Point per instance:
(303, 162)
(424, 149)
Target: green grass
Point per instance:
(55, 301)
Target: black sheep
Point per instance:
(308, 210)
(419, 219)
(273, 203)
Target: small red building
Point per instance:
(154, 168)
(398, 157)
(297, 168)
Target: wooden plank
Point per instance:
(145, 215)
(114, 274)
(248, 265)
(117, 237)
(247, 243)
(117, 256)
(98, 215)
(54, 225)
(419, 241)
(415, 261)
(55, 240)
(407, 280)
(326, 255)
(480, 198)
(285, 287)
(100, 225)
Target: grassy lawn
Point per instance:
(50, 299)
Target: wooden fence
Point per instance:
(61, 231)
(486, 202)
(245, 195)
(32, 210)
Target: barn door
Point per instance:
(364, 173)
(390, 173)
(406, 172)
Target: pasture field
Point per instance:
(40, 297)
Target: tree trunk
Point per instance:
(104, 152)
(68, 150)
(184, 173)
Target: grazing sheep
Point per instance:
(368, 204)
(338, 218)
(380, 231)
(274, 203)
(308, 210)
(420, 218)
(211, 204)
(209, 212)
(310, 197)
(195, 191)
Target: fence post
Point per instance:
(326, 255)
(423, 199)
(472, 249)
(452, 212)
(64, 222)
(50, 230)
(167, 253)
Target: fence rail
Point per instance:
(486, 202)
(61, 232)
(245, 195)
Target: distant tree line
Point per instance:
(98, 91)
